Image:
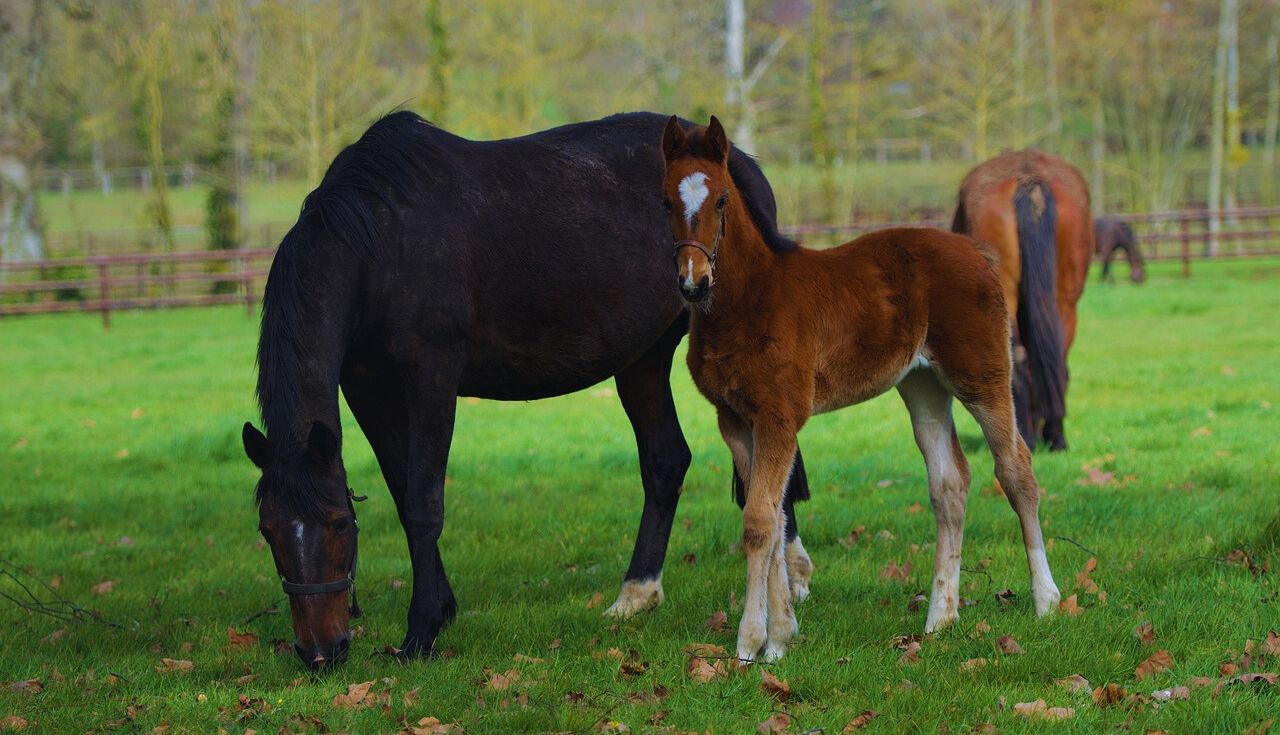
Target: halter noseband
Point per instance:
(338, 585)
(681, 244)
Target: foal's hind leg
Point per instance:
(929, 403)
(994, 414)
(645, 392)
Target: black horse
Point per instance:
(425, 267)
(1112, 234)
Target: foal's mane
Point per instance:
(753, 189)
(362, 191)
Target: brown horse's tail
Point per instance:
(1039, 325)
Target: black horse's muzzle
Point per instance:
(320, 658)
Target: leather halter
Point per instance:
(338, 585)
(681, 244)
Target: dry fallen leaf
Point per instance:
(917, 601)
(1008, 645)
(103, 588)
(241, 641)
(433, 726)
(1271, 646)
(1109, 694)
(973, 663)
(911, 654)
(1073, 683)
(520, 658)
(860, 721)
(701, 671)
(915, 508)
(1083, 582)
(717, 623)
(1095, 476)
(596, 599)
(1166, 695)
(1039, 710)
(981, 629)
(503, 681)
(355, 696)
(612, 727)
(27, 686)
(174, 666)
(1145, 632)
(13, 722)
(892, 572)
(1261, 727)
(1070, 607)
(774, 687)
(778, 723)
(1159, 661)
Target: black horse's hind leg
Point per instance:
(799, 566)
(410, 435)
(645, 391)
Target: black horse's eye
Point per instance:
(666, 204)
(723, 200)
(340, 526)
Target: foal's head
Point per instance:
(696, 191)
(305, 515)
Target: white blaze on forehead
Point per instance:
(693, 192)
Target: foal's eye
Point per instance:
(723, 200)
(666, 204)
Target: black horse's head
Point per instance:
(306, 516)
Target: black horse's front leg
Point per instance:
(799, 566)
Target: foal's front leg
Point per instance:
(767, 614)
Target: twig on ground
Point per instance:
(58, 607)
(1078, 545)
(272, 609)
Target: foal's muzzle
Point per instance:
(695, 290)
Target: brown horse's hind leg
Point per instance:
(994, 414)
(929, 403)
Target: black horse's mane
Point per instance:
(753, 189)
(366, 182)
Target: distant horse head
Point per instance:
(696, 191)
(307, 518)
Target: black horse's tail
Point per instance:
(797, 484)
(1039, 325)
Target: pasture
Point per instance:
(127, 490)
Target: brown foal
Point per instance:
(779, 333)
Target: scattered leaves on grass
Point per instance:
(1159, 661)
(596, 599)
(859, 722)
(780, 722)
(1070, 607)
(1040, 710)
(1008, 646)
(1267, 678)
(893, 572)
(104, 587)
(1073, 683)
(717, 623)
(174, 666)
(774, 687)
(239, 641)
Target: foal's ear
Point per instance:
(715, 142)
(257, 446)
(673, 139)
(322, 444)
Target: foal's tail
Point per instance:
(1039, 325)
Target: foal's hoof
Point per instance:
(1047, 599)
(773, 652)
(636, 597)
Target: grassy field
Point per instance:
(121, 455)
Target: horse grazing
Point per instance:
(1111, 234)
(778, 333)
(425, 267)
(1032, 208)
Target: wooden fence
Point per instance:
(106, 283)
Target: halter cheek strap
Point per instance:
(337, 585)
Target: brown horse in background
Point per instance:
(1032, 208)
(778, 333)
(1111, 234)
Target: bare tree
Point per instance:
(739, 85)
(24, 37)
(1273, 105)
(1226, 16)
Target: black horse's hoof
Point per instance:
(413, 649)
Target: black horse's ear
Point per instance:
(673, 139)
(322, 444)
(715, 142)
(257, 446)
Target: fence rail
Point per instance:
(107, 283)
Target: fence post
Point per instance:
(104, 295)
(246, 282)
(1184, 226)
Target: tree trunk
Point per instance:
(735, 40)
(1021, 20)
(1051, 73)
(1236, 153)
(439, 63)
(820, 143)
(23, 43)
(1218, 132)
(1098, 156)
(1273, 107)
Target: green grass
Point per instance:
(1175, 390)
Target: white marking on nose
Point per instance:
(688, 275)
(693, 192)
